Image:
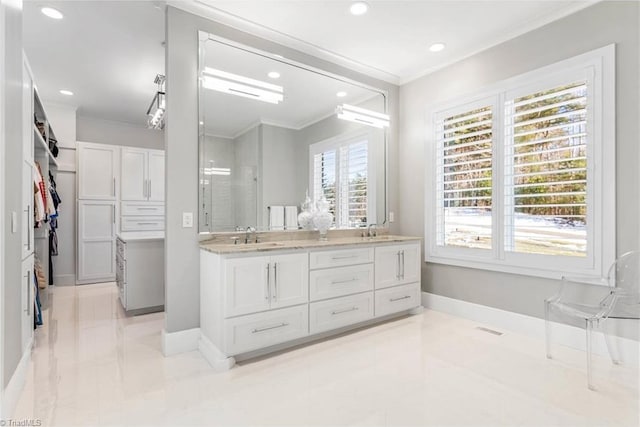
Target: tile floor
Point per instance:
(94, 366)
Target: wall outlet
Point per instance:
(187, 219)
(392, 217)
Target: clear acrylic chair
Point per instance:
(621, 300)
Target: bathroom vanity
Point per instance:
(270, 295)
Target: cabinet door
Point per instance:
(156, 176)
(289, 280)
(96, 241)
(396, 265)
(133, 186)
(27, 209)
(246, 285)
(387, 266)
(97, 170)
(28, 298)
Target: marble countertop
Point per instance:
(140, 235)
(229, 248)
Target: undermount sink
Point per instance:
(383, 237)
(262, 244)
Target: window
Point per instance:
(340, 169)
(515, 185)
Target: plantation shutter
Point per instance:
(353, 184)
(546, 171)
(464, 179)
(324, 182)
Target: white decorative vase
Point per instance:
(305, 219)
(322, 218)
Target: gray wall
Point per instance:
(12, 138)
(591, 28)
(90, 129)
(181, 144)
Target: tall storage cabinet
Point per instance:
(98, 182)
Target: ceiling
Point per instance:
(308, 96)
(108, 52)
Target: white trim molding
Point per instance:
(11, 394)
(180, 342)
(566, 335)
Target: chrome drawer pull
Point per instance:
(344, 257)
(147, 223)
(398, 299)
(337, 282)
(147, 209)
(347, 310)
(282, 325)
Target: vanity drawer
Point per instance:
(398, 298)
(340, 257)
(340, 281)
(246, 333)
(339, 312)
(139, 223)
(142, 209)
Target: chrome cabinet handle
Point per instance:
(275, 281)
(267, 293)
(344, 257)
(145, 209)
(347, 310)
(338, 282)
(28, 227)
(398, 266)
(402, 255)
(281, 325)
(114, 186)
(149, 192)
(398, 299)
(28, 308)
(114, 213)
(147, 223)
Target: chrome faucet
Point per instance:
(372, 231)
(247, 237)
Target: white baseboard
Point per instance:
(214, 356)
(14, 388)
(64, 280)
(527, 325)
(180, 342)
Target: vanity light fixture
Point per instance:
(359, 8)
(274, 75)
(436, 47)
(341, 94)
(66, 92)
(234, 84)
(156, 110)
(362, 115)
(52, 13)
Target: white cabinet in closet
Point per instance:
(28, 301)
(96, 244)
(97, 171)
(142, 175)
(142, 190)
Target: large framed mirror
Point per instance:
(273, 131)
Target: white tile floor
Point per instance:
(94, 366)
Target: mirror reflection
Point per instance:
(274, 134)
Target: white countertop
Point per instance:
(228, 248)
(132, 236)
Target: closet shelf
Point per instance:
(42, 146)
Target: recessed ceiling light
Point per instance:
(52, 13)
(274, 75)
(341, 94)
(66, 92)
(359, 8)
(436, 47)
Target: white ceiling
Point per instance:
(108, 52)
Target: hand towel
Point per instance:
(276, 217)
(291, 217)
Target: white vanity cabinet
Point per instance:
(256, 299)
